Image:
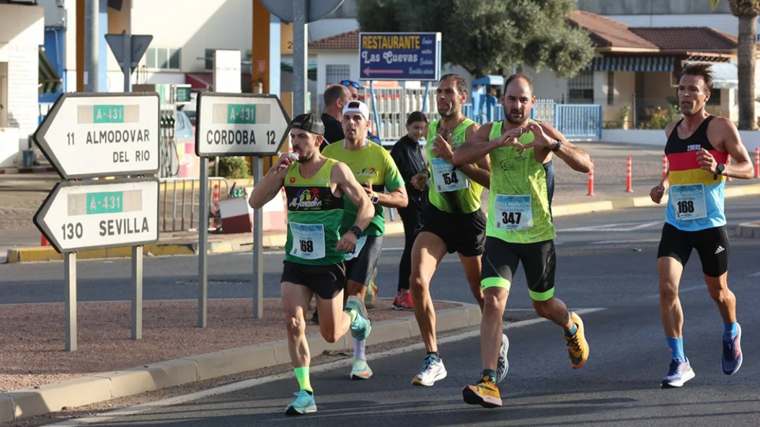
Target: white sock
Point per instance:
(359, 347)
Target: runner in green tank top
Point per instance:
(520, 227)
(452, 222)
(315, 251)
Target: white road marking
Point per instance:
(622, 227)
(230, 388)
(755, 274)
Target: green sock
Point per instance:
(302, 375)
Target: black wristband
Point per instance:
(356, 230)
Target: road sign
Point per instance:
(134, 44)
(91, 135)
(400, 56)
(316, 9)
(240, 124)
(100, 214)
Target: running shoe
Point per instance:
(680, 371)
(485, 393)
(577, 346)
(303, 404)
(432, 371)
(360, 370)
(371, 295)
(732, 353)
(404, 303)
(502, 365)
(361, 326)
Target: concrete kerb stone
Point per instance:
(748, 230)
(97, 388)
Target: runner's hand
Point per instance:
(509, 138)
(284, 161)
(656, 193)
(540, 141)
(442, 148)
(707, 161)
(368, 189)
(419, 180)
(347, 242)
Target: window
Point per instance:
(337, 73)
(610, 88)
(715, 97)
(209, 57)
(163, 58)
(581, 88)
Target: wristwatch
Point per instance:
(356, 230)
(720, 168)
(556, 147)
(375, 198)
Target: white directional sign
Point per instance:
(238, 124)
(100, 214)
(90, 135)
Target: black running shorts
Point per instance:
(539, 262)
(325, 280)
(711, 245)
(463, 233)
(362, 268)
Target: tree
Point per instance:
(489, 36)
(747, 12)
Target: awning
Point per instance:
(202, 81)
(489, 80)
(632, 63)
(725, 75)
(49, 80)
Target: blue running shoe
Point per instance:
(303, 404)
(361, 326)
(732, 353)
(680, 371)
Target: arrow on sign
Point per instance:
(100, 214)
(109, 134)
(368, 71)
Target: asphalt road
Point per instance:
(605, 261)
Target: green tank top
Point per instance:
(450, 190)
(314, 215)
(518, 203)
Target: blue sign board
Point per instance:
(400, 56)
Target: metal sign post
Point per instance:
(234, 124)
(93, 135)
(128, 49)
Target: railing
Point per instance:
(183, 194)
(579, 122)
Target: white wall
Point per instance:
(325, 58)
(330, 27)
(546, 84)
(22, 30)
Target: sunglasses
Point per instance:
(350, 83)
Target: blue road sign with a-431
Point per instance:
(400, 56)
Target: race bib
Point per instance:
(446, 178)
(512, 213)
(359, 245)
(308, 240)
(689, 201)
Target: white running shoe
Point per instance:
(360, 370)
(432, 371)
(502, 365)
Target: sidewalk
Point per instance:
(20, 195)
(37, 377)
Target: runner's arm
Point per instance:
(573, 156)
(742, 166)
(393, 199)
(482, 173)
(478, 146)
(270, 185)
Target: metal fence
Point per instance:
(179, 204)
(579, 122)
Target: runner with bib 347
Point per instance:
(520, 226)
(698, 150)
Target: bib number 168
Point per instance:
(307, 246)
(686, 206)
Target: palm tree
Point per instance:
(747, 12)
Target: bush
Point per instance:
(233, 167)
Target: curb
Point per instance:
(749, 230)
(33, 169)
(24, 403)
(392, 228)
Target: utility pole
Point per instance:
(91, 16)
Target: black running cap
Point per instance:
(309, 122)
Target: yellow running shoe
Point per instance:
(371, 295)
(485, 393)
(577, 346)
